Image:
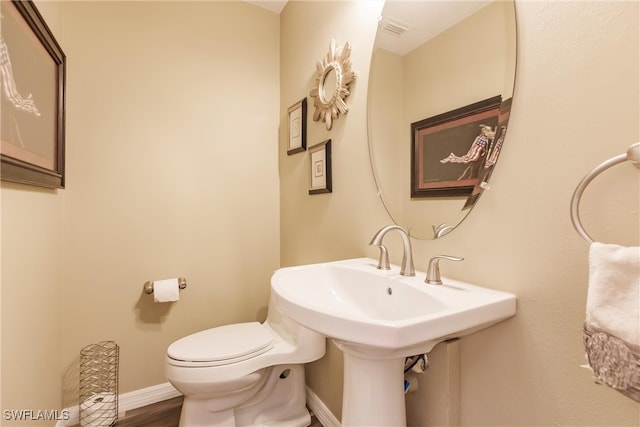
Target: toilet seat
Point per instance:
(221, 346)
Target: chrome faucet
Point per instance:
(433, 272)
(406, 269)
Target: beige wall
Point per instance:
(172, 133)
(31, 281)
(337, 225)
(575, 105)
(140, 206)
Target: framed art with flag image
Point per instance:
(448, 151)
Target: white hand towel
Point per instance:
(613, 301)
(612, 326)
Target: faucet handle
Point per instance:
(441, 230)
(433, 272)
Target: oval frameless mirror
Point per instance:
(440, 90)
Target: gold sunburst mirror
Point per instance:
(332, 79)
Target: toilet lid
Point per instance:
(238, 341)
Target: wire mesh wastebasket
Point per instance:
(99, 384)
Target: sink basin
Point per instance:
(354, 302)
(377, 318)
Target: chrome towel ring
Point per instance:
(632, 154)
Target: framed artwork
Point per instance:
(448, 150)
(320, 159)
(32, 67)
(297, 127)
(493, 152)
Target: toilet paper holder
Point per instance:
(148, 286)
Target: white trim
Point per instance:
(147, 396)
(320, 410)
(128, 401)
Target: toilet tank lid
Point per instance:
(222, 343)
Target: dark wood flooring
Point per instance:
(164, 414)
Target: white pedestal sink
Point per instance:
(377, 318)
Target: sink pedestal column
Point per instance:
(373, 393)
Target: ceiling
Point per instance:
(272, 5)
(422, 19)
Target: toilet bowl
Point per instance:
(244, 374)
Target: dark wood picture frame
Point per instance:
(297, 119)
(33, 116)
(438, 139)
(320, 162)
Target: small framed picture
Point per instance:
(320, 158)
(297, 127)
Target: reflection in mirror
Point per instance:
(329, 85)
(432, 58)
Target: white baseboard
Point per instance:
(147, 396)
(128, 401)
(320, 410)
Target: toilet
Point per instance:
(244, 374)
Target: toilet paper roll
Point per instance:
(166, 290)
(99, 410)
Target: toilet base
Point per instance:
(280, 402)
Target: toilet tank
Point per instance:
(309, 345)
